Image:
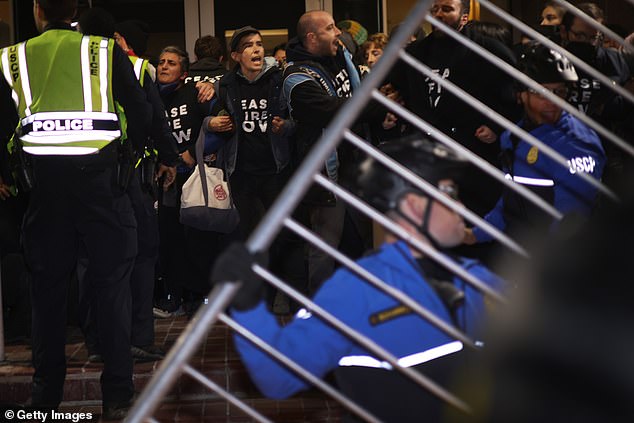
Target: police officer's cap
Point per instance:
(383, 189)
(544, 65)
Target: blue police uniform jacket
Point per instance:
(320, 348)
(560, 186)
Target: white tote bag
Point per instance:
(206, 202)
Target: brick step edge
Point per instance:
(85, 387)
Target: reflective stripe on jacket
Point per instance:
(61, 84)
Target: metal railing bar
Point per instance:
(428, 250)
(435, 193)
(364, 341)
(152, 420)
(580, 64)
(466, 153)
(202, 379)
(182, 351)
(602, 130)
(295, 189)
(501, 120)
(379, 284)
(296, 368)
(595, 24)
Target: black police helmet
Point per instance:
(545, 65)
(383, 189)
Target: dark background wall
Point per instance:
(616, 11)
(367, 12)
(166, 17)
(269, 14)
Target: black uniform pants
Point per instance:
(172, 256)
(76, 210)
(141, 281)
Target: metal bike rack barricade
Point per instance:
(474, 159)
(608, 83)
(501, 120)
(434, 192)
(595, 24)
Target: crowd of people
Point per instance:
(96, 159)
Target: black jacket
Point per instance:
(588, 94)
(469, 71)
(228, 94)
(451, 114)
(312, 107)
(160, 133)
(206, 69)
(184, 114)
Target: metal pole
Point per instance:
(608, 83)
(299, 370)
(211, 385)
(465, 152)
(434, 192)
(182, 351)
(501, 120)
(365, 342)
(302, 179)
(620, 142)
(595, 24)
(428, 250)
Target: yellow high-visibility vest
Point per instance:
(61, 84)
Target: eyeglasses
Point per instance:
(450, 189)
(561, 92)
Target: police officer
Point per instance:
(64, 87)
(525, 164)
(319, 348)
(142, 193)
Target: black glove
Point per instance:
(234, 264)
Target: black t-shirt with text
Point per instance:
(255, 155)
(185, 115)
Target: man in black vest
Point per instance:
(320, 76)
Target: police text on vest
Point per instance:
(63, 125)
